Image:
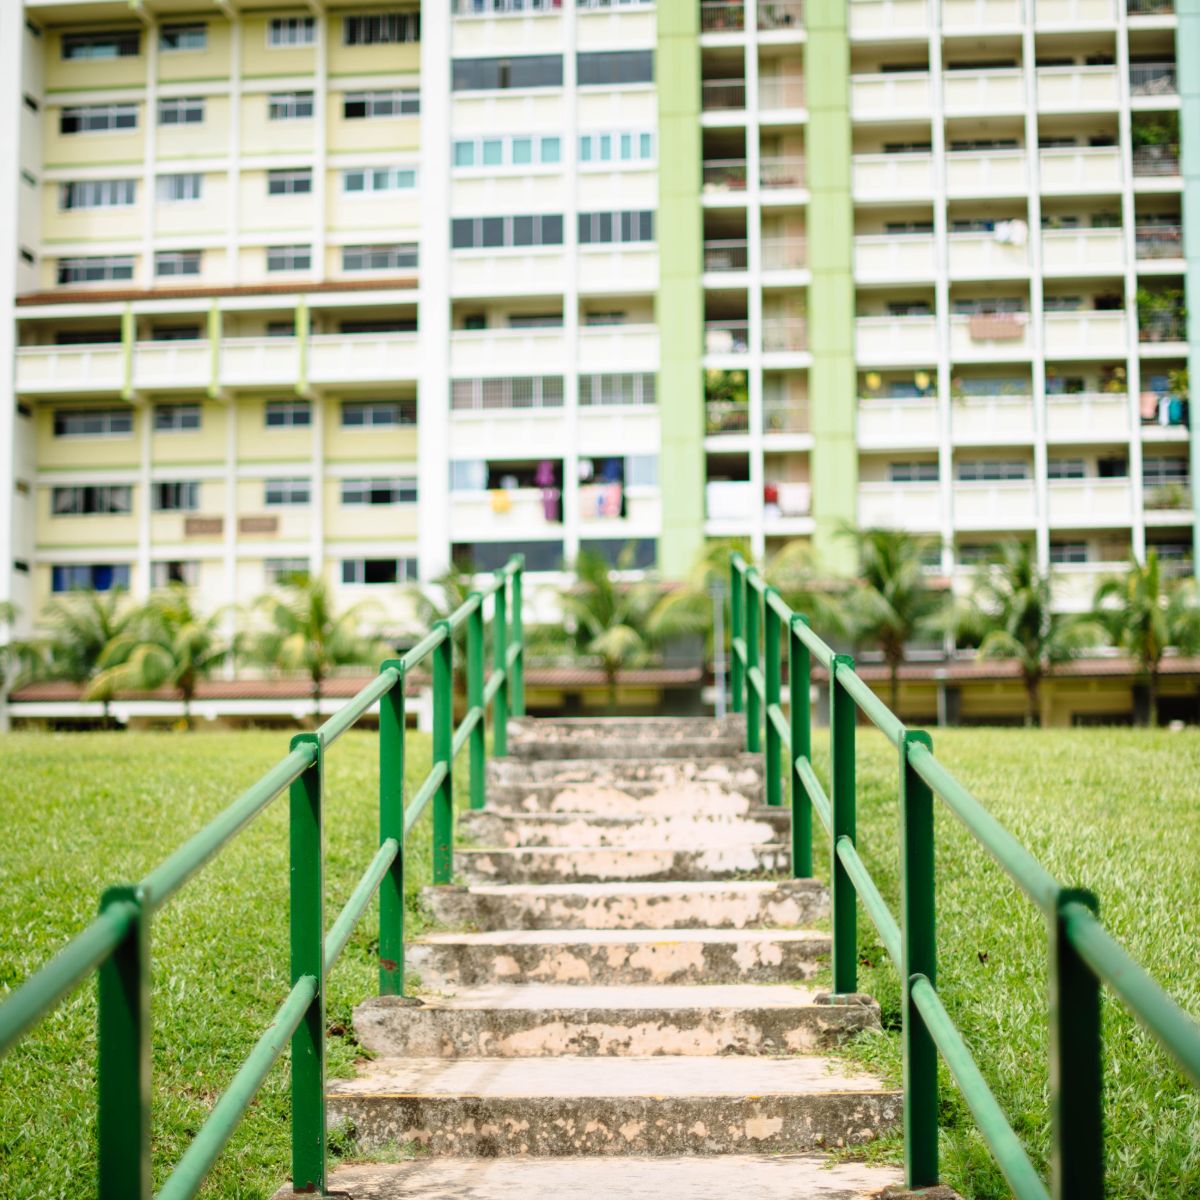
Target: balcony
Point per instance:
(726, 417)
(1073, 585)
(186, 364)
(1070, 14)
(888, 178)
(1167, 503)
(520, 513)
(613, 269)
(884, 257)
(1089, 503)
(784, 254)
(992, 420)
(1150, 8)
(985, 256)
(723, 176)
(889, 19)
(723, 338)
(260, 362)
(780, 16)
(1087, 417)
(1156, 162)
(980, 16)
(731, 501)
(896, 341)
(781, 173)
(726, 256)
(887, 423)
(986, 173)
(53, 369)
(719, 17)
(603, 348)
(780, 92)
(1158, 242)
(1083, 251)
(895, 96)
(971, 93)
(784, 335)
(1161, 328)
(915, 507)
(362, 357)
(723, 95)
(1075, 169)
(1087, 334)
(1007, 504)
(989, 337)
(1153, 80)
(785, 417)
(507, 351)
(1077, 89)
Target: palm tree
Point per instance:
(18, 659)
(1144, 616)
(891, 602)
(168, 644)
(1010, 615)
(455, 585)
(305, 634)
(796, 574)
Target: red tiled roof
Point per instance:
(985, 669)
(92, 296)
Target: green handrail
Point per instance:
(116, 945)
(765, 635)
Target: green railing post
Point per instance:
(1076, 1073)
(772, 652)
(499, 663)
(307, 889)
(518, 640)
(391, 825)
(123, 1072)
(478, 748)
(737, 629)
(918, 949)
(843, 717)
(753, 703)
(443, 755)
(800, 685)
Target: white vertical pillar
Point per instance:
(754, 296)
(316, 552)
(145, 418)
(570, 157)
(150, 149)
(230, 545)
(320, 143)
(233, 177)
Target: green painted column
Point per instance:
(832, 385)
(1187, 57)
(128, 339)
(680, 295)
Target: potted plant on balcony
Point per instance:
(1160, 314)
(1155, 141)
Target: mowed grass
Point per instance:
(82, 811)
(1116, 811)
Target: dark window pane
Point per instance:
(493, 231)
(620, 66)
(522, 231)
(552, 230)
(462, 233)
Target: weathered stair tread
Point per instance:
(665, 998)
(620, 937)
(683, 830)
(749, 1177)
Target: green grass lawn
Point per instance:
(1115, 811)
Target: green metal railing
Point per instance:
(116, 945)
(1082, 955)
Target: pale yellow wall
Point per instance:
(90, 224)
(210, 137)
(203, 445)
(398, 211)
(98, 531)
(62, 150)
(168, 527)
(274, 214)
(263, 136)
(206, 215)
(60, 453)
(368, 445)
(257, 443)
(295, 521)
(370, 60)
(85, 73)
(370, 133)
(366, 522)
(252, 260)
(209, 63)
(259, 59)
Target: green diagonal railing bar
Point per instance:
(766, 637)
(115, 946)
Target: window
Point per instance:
(379, 570)
(181, 110)
(176, 497)
(616, 146)
(101, 269)
(604, 228)
(611, 67)
(176, 262)
(639, 554)
(1065, 468)
(176, 418)
(278, 493)
(519, 150)
(98, 193)
(379, 258)
(97, 118)
(175, 333)
(292, 31)
(598, 390)
(1068, 552)
(379, 179)
(473, 233)
(174, 189)
(93, 422)
(992, 470)
(88, 337)
(491, 556)
(378, 414)
(498, 74)
(167, 573)
(477, 395)
(380, 325)
(641, 470)
(290, 106)
(1162, 472)
(381, 29)
(379, 491)
(101, 500)
(290, 183)
(97, 577)
(913, 472)
(183, 37)
(120, 43)
(282, 571)
(288, 414)
(289, 258)
(359, 105)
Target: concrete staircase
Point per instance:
(622, 1006)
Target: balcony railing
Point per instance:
(726, 417)
(1150, 8)
(784, 254)
(724, 175)
(1162, 327)
(782, 335)
(783, 416)
(1159, 241)
(781, 91)
(726, 256)
(718, 17)
(722, 95)
(781, 172)
(780, 14)
(727, 337)
(481, 8)
(1153, 79)
(1156, 160)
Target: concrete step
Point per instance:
(615, 957)
(611, 1106)
(749, 1177)
(554, 864)
(500, 1021)
(649, 738)
(734, 904)
(524, 729)
(490, 827)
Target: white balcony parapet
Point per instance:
(174, 364)
(992, 420)
(997, 89)
(986, 256)
(97, 368)
(516, 513)
(1083, 251)
(1073, 585)
(989, 336)
(891, 95)
(1087, 417)
(886, 178)
(1078, 89)
(730, 500)
(886, 340)
(888, 18)
(1089, 503)
(780, 92)
(1084, 334)
(784, 335)
(785, 416)
(984, 16)
(625, 348)
(508, 351)
(1080, 169)
(888, 256)
(987, 172)
(891, 422)
(1070, 14)
(270, 362)
(913, 506)
(784, 253)
(1003, 504)
(342, 357)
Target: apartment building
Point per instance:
(368, 287)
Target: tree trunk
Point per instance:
(894, 684)
(187, 708)
(317, 695)
(1152, 698)
(610, 678)
(1033, 707)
